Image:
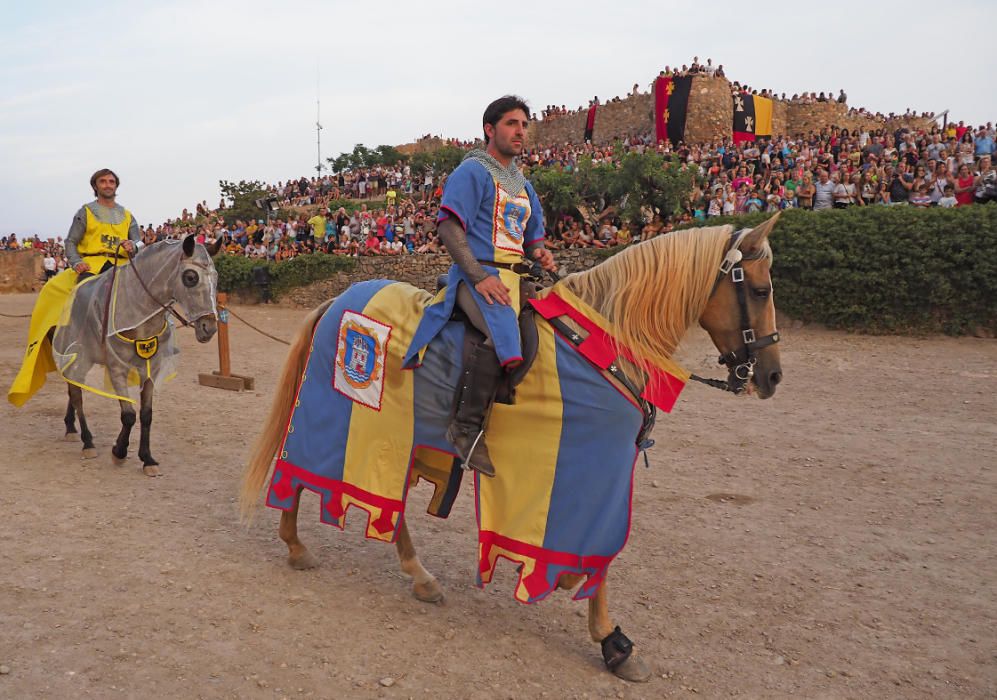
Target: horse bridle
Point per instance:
(169, 307)
(741, 362)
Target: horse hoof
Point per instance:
(428, 592)
(71, 437)
(634, 670)
(303, 561)
(151, 470)
(118, 461)
(89, 452)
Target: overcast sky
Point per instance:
(175, 96)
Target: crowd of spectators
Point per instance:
(407, 227)
(390, 183)
(53, 250)
(393, 209)
(833, 168)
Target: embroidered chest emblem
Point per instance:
(509, 219)
(146, 348)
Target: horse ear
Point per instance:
(758, 235)
(213, 248)
(188, 245)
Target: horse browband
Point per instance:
(740, 362)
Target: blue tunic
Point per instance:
(498, 225)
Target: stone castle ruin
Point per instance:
(710, 117)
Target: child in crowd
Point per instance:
(948, 200)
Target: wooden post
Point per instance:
(224, 361)
(222, 378)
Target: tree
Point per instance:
(637, 185)
(389, 155)
(557, 190)
(440, 160)
(242, 197)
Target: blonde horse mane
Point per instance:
(653, 291)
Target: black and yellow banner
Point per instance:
(752, 117)
(671, 104)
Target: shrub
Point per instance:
(235, 271)
(886, 269)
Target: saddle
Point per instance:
(528, 288)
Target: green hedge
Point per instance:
(886, 269)
(235, 271)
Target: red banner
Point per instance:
(590, 123)
(663, 89)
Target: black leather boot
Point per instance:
(474, 398)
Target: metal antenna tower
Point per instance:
(318, 121)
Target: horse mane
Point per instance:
(653, 291)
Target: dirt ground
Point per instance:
(837, 541)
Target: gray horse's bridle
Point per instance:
(169, 306)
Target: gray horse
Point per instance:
(123, 319)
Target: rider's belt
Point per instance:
(103, 255)
(519, 268)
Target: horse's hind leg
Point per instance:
(150, 467)
(298, 556)
(425, 587)
(70, 419)
(632, 667)
(76, 403)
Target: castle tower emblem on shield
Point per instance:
(360, 355)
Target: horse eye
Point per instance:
(190, 278)
(761, 292)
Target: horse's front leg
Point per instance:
(425, 587)
(70, 419)
(119, 452)
(298, 556)
(617, 650)
(150, 467)
(76, 404)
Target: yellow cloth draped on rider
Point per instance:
(97, 248)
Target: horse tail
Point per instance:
(266, 445)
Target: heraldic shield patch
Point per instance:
(147, 347)
(360, 353)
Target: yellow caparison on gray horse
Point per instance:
(122, 319)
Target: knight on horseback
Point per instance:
(490, 221)
(103, 234)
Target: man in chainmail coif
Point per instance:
(98, 228)
(490, 221)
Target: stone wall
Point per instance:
(21, 271)
(634, 115)
(418, 270)
(710, 117)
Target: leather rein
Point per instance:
(740, 362)
(170, 307)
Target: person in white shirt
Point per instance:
(949, 200)
(49, 264)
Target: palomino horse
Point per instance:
(120, 319)
(647, 296)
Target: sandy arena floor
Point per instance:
(837, 541)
